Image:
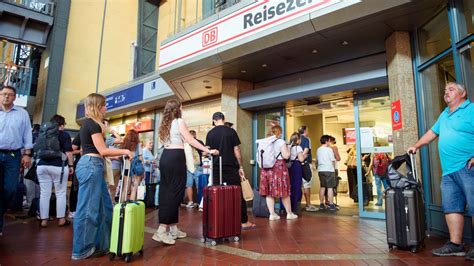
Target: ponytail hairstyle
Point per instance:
(277, 130)
(172, 111)
(92, 104)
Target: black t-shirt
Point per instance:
(65, 145)
(89, 128)
(224, 139)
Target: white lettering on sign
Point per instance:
(245, 22)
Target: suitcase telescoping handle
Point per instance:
(126, 164)
(413, 165)
(211, 172)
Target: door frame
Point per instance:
(357, 97)
(282, 111)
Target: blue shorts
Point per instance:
(457, 191)
(193, 177)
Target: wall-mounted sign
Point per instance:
(141, 125)
(240, 24)
(396, 115)
(131, 95)
(349, 136)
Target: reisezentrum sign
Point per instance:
(248, 21)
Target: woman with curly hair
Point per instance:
(131, 142)
(173, 132)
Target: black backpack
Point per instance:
(47, 145)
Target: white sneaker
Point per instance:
(291, 216)
(190, 205)
(311, 208)
(178, 234)
(71, 215)
(274, 217)
(164, 238)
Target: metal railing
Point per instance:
(42, 6)
(17, 76)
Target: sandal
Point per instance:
(43, 225)
(67, 222)
(249, 227)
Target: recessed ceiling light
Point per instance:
(344, 43)
(315, 51)
(208, 87)
(243, 71)
(205, 81)
(264, 65)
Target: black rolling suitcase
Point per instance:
(404, 206)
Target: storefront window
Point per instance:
(434, 37)
(467, 65)
(198, 117)
(434, 80)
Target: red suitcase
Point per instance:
(221, 217)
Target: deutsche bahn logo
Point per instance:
(209, 37)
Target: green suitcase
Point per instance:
(128, 226)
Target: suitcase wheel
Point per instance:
(203, 240)
(213, 243)
(390, 246)
(236, 239)
(111, 256)
(127, 258)
(141, 252)
(414, 249)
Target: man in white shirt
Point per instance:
(326, 172)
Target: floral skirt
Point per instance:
(275, 182)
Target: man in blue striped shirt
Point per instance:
(15, 135)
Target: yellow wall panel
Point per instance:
(120, 30)
(81, 56)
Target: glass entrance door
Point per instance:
(374, 148)
(262, 124)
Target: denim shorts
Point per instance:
(457, 191)
(193, 177)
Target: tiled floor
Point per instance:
(313, 239)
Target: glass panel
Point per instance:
(375, 131)
(434, 37)
(467, 65)
(434, 80)
(466, 21)
(265, 122)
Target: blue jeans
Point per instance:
(93, 217)
(378, 182)
(193, 177)
(457, 191)
(9, 175)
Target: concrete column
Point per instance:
(241, 119)
(402, 87)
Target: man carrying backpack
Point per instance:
(15, 135)
(379, 165)
(226, 140)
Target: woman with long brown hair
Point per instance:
(173, 132)
(131, 142)
(93, 217)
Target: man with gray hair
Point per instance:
(455, 130)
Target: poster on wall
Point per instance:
(349, 136)
(396, 115)
(366, 137)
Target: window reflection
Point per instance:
(434, 37)
(434, 80)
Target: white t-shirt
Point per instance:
(326, 159)
(294, 152)
(277, 148)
